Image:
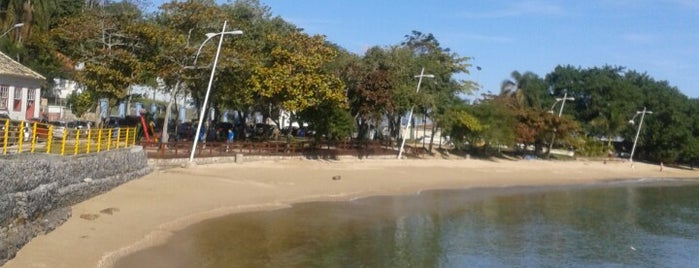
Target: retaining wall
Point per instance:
(36, 190)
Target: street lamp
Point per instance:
(410, 115)
(560, 112)
(12, 28)
(211, 81)
(640, 124)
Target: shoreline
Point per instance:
(146, 211)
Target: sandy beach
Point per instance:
(145, 211)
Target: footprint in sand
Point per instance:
(89, 217)
(109, 211)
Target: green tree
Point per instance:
(109, 43)
(177, 27)
(81, 102)
(461, 126)
(330, 121)
(497, 124)
(444, 91)
(291, 78)
(668, 130)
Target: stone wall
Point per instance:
(36, 190)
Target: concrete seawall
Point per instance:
(37, 190)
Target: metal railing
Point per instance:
(34, 137)
(307, 148)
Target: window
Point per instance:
(17, 105)
(30, 94)
(4, 96)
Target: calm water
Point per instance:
(614, 224)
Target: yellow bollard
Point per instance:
(77, 142)
(99, 140)
(126, 139)
(63, 142)
(109, 139)
(20, 136)
(33, 141)
(49, 139)
(118, 136)
(89, 141)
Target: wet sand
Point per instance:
(144, 212)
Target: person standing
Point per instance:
(231, 136)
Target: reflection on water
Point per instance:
(611, 225)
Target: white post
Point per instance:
(410, 115)
(560, 112)
(633, 149)
(202, 110)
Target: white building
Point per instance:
(20, 90)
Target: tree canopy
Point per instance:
(275, 67)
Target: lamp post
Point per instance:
(410, 115)
(560, 112)
(202, 110)
(640, 124)
(12, 28)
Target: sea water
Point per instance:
(612, 224)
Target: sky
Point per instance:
(657, 37)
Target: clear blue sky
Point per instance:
(658, 37)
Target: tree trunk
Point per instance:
(168, 113)
(434, 131)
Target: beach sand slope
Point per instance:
(145, 211)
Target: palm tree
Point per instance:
(527, 90)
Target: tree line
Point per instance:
(274, 66)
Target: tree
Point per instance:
(80, 102)
(528, 90)
(177, 26)
(330, 121)
(497, 123)
(439, 95)
(668, 130)
(291, 78)
(110, 44)
(461, 126)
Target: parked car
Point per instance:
(25, 129)
(16, 130)
(79, 124)
(42, 127)
(127, 121)
(59, 127)
(185, 131)
(3, 118)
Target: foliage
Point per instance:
(461, 126)
(291, 78)
(81, 102)
(591, 147)
(329, 120)
(109, 46)
(496, 123)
